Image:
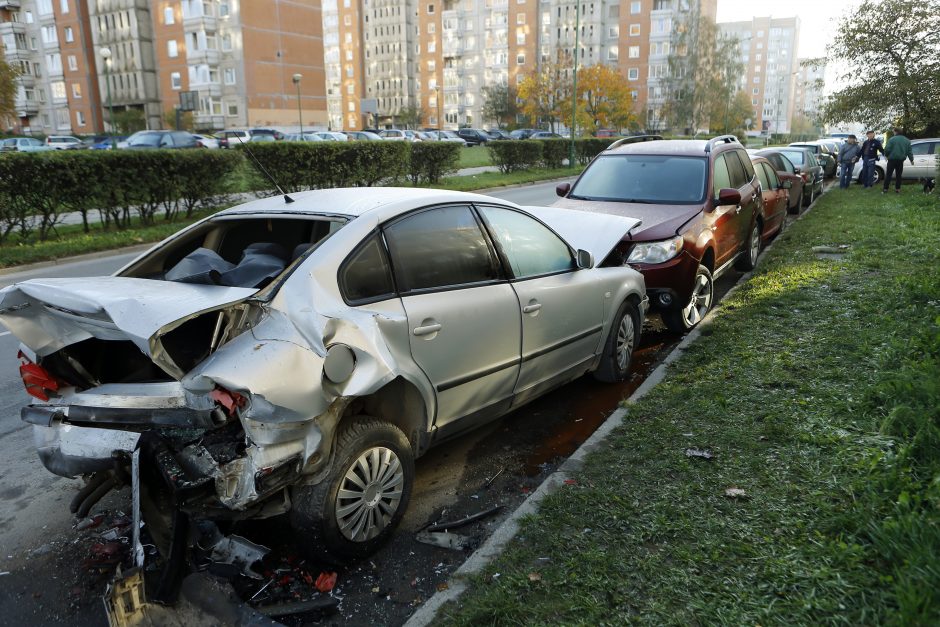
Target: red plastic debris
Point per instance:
(37, 379)
(326, 581)
(570, 482)
(229, 400)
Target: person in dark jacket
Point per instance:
(896, 150)
(849, 153)
(870, 149)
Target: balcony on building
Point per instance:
(10, 5)
(25, 107)
(208, 23)
(209, 57)
(12, 28)
(208, 121)
(11, 54)
(207, 89)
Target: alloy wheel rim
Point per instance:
(369, 494)
(625, 337)
(700, 302)
(755, 244)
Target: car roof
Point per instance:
(351, 202)
(689, 147)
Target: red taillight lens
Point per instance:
(36, 379)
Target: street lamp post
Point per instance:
(574, 88)
(106, 55)
(300, 116)
(440, 122)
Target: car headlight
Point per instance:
(656, 252)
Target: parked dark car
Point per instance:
(161, 139)
(701, 211)
(278, 135)
(544, 135)
(473, 136)
(775, 193)
(786, 171)
(523, 133)
(498, 133)
(804, 162)
(826, 159)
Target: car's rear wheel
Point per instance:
(618, 349)
(797, 205)
(357, 506)
(808, 200)
(748, 260)
(700, 302)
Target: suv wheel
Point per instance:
(703, 291)
(618, 349)
(357, 506)
(808, 200)
(748, 259)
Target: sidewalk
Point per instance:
(782, 471)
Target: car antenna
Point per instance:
(287, 199)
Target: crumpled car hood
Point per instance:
(49, 314)
(596, 233)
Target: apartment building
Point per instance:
(461, 46)
(238, 60)
(808, 89)
(768, 48)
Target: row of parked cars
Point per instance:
(297, 355)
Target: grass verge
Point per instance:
(817, 389)
(474, 157)
(72, 241)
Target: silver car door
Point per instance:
(463, 316)
(923, 165)
(562, 308)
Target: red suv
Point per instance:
(700, 204)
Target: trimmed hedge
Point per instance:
(430, 161)
(511, 156)
(589, 147)
(554, 152)
(37, 189)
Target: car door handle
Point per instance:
(532, 307)
(737, 209)
(427, 329)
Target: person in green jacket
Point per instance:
(897, 149)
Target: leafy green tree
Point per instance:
(411, 116)
(891, 49)
(605, 99)
(546, 92)
(129, 121)
(8, 75)
(500, 104)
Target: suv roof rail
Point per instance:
(726, 139)
(634, 140)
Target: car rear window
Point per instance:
(795, 156)
(658, 179)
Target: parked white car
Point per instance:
(306, 137)
(206, 141)
(448, 136)
(300, 356)
(926, 152)
(399, 135)
(332, 136)
(64, 142)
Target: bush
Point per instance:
(589, 147)
(554, 152)
(432, 160)
(511, 156)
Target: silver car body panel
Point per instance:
(275, 361)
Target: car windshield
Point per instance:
(144, 139)
(655, 179)
(796, 156)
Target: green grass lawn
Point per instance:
(817, 389)
(474, 157)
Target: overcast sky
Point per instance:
(818, 18)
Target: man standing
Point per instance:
(896, 150)
(870, 149)
(848, 156)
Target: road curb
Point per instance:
(500, 538)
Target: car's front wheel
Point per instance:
(618, 349)
(700, 302)
(357, 506)
(748, 259)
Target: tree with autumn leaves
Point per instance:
(604, 100)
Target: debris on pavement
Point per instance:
(490, 481)
(443, 540)
(455, 524)
(234, 551)
(325, 582)
(701, 454)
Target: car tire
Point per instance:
(807, 201)
(621, 342)
(747, 260)
(795, 209)
(339, 519)
(700, 303)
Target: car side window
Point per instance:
(739, 177)
(746, 162)
(772, 179)
(921, 149)
(722, 178)
(762, 176)
(530, 248)
(365, 276)
(440, 247)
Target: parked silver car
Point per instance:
(300, 356)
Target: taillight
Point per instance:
(229, 400)
(37, 379)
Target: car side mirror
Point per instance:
(786, 184)
(562, 189)
(796, 170)
(585, 260)
(728, 196)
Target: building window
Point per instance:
(224, 10)
(172, 49)
(634, 52)
(347, 20)
(520, 59)
(168, 16)
(634, 30)
(351, 106)
(64, 5)
(58, 90)
(635, 7)
(226, 43)
(29, 16)
(44, 7)
(757, 79)
(176, 81)
(76, 90)
(613, 53)
(430, 28)
(79, 118)
(613, 32)
(520, 19)
(69, 36)
(49, 35)
(430, 8)
(231, 109)
(62, 118)
(73, 63)
(229, 75)
(520, 39)
(633, 73)
(756, 90)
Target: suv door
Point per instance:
(463, 316)
(924, 164)
(725, 220)
(562, 309)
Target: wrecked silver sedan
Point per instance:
(297, 354)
